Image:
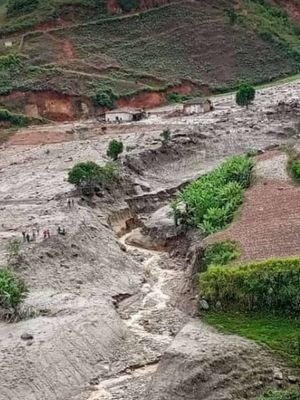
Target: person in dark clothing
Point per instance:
(69, 203)
(24, 236)
(28, 238)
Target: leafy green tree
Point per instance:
(105, 97)
(115, 148)
(87, 176)
(20, 7)
(245, 95)
(85, 173)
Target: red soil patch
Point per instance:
(153, 99)
(143, 100)
(269, 225)
(292, 7)
(112, 6)
(48, 104)
(36, 138)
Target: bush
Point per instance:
(221, 253)
(12, 291)
(212, 200)
(165, 135)
(20, 7)
(115, 148)
(271, 286)
(105, 98)
(281, 395)
(174, 98)
(86, 176)
(294, 169)
(14, 119)
(9, 61)
(128, 5)
(245, 95)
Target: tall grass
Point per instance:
(271, 286)
(211, 201)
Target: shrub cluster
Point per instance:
(212, 200)
(176, 98)
(14, 119)
(272, 286)
(222, 253)
(281, 395)
(294, 170)
(105, 97)
(12, 291)
(86, 176)
(20, 7)
(9, 61)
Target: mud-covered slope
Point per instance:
(189, 47)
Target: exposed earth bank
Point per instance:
(108, 309)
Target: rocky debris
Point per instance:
(202, 364)
(203, 304)
(26, 336)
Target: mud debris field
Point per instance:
(116, 320)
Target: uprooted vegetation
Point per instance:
(211, 201)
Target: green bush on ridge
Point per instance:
(212, 200)
(12, 291)
(271, 286)
(221, 253)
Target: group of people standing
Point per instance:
(27, 237)
(32, 237)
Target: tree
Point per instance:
(115, 148)
(87, 176)
(245, 95)
(105, 97)
(85, 173)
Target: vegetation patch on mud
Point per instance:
(280, 334)
(211, 201)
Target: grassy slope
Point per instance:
(193, 41)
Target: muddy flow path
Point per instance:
(152, 316)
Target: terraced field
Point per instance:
(209, 46)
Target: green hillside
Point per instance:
(77, 47)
